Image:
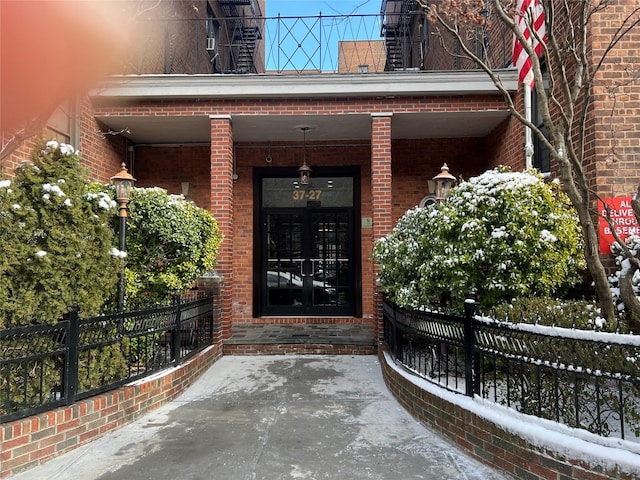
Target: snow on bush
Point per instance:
(633, 243)
(502, 235)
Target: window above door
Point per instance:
(321, 192)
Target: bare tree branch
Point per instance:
(570, 73)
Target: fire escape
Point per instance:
(398, 30)
(242, 32)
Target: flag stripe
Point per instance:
(529, 13)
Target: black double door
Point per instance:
(308, 265)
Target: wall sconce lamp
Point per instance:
(304, 170)
(444, 181)
(185, 189)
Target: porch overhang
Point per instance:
(302, 86)
(247, 127)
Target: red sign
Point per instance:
(623, 220)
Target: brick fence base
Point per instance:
(523, 449)
(31, 441)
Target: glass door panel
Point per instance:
(284, 240)
(331, 259)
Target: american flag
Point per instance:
(529, 13)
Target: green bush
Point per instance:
(537, 387)
(502, 235)
(55, 238)
(170, 242)
(553, 312)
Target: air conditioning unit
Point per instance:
(211, 44)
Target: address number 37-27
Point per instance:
(307, 194)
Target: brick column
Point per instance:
(222, 207)
(381, 193)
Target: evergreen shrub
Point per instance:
(170, 243)
(56, 240)
(501, 235)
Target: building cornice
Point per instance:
(387, 84)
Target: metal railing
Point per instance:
(47, 366)
(393, 41)
(581, 379)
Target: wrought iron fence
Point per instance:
(581, 379)
(393, 41)
(46, 366)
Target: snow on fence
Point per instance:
(586, 380)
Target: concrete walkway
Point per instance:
(274, 417)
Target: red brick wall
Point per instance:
(613, 148)
(168, 167)
(417, 161)
(166, 37)
(221, 194)
(304, 106)
(381, 194)
(300, 349)
(23, 152)
(443, 52)
(101, 150)
(381, 175)
(505, 145)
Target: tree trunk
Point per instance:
(576, 187)
(628, 296)
(595, 267)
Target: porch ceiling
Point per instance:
(286, 128)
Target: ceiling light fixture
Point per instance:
(304, 170)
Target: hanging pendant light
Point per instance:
(304, 170)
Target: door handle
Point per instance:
(302, 269)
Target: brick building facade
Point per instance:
(199, 111)
(390, 145)
(231, 135)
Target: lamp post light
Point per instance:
(123, 181)
(444, 181)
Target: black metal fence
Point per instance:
(581, 379)
(46, 366)
(370, 43)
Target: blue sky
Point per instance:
(294, 8)
(310, 44)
